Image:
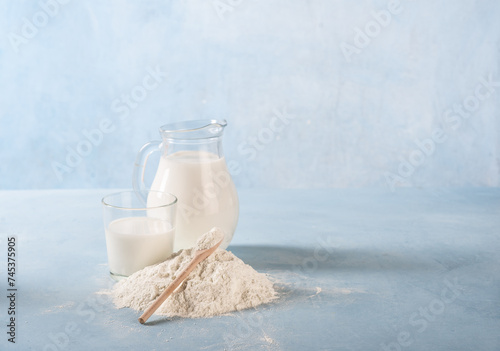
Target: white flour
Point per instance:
(222, 283)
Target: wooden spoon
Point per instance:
(199, 255)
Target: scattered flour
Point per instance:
(221, 283)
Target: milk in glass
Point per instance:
(136, 242)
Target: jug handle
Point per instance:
(141, 160)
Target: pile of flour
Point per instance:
(221, 283)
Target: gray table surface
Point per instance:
(357, 269)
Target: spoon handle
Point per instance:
(198, 257)
(169, 290)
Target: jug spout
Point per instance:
(193, 130)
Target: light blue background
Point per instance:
(354, 121)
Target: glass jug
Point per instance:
(193, 168)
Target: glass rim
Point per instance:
(107, 204)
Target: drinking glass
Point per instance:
(137, 235)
